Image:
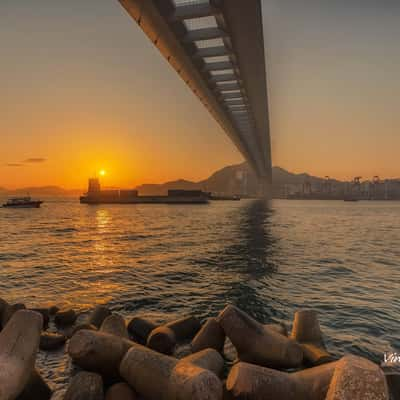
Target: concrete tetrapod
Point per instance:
(392, 375)
(184, 328)
(51, 341)
(65, 317)
(36, 388)
(120, 391)
(19, 343)
(306, 330)
(85, 386)
(115, 325)
(156, 376)
(280, 328)
(315, 355)
(306, 327)
(162, 339)
(98, 315)
(98, 351)
(140, 328)
(53, 310)
(208, 359)
(211, 335)
(357, 378)
(253, 382)
(79, 327)
(256, 343)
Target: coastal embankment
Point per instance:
(226, 356)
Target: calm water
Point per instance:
(339, 258)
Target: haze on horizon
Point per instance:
(83, 89)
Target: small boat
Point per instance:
(224, 197)
(23, 202)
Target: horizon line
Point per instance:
(56, 186)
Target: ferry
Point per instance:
(23, 202)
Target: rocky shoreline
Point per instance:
(231, 356)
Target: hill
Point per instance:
(234, 179)
(51, 191)
(151, 189)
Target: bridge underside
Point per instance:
(217, 48)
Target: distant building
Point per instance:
(93, 185)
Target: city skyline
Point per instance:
(79, 99)
(109, 181)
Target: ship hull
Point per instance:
(146, 200)
(32, 204)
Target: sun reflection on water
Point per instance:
(103, 220)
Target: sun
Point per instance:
(102, 172)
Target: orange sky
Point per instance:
(83, 89)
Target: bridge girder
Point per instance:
(217, 48)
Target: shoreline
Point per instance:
(111, 354)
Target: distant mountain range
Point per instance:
(50, 191)
(234, 179)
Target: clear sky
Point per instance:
(82, 89)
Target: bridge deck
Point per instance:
(217, 47)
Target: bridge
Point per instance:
(217, 48)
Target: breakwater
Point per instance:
(229, 356)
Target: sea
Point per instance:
(341, 259)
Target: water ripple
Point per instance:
(161, 261)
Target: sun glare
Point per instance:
(102, 172)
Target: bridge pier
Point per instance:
(264, 189)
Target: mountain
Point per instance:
(234, 179)
(53, 191)
(282, 177)
(152, 189)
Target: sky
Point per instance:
(83, 89)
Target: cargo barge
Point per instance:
(96, 195)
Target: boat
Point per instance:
(95, 195)
(216, 197)
(23, 202)
(351, 198)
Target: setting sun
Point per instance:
(102, 172)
